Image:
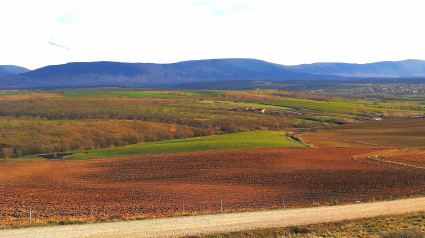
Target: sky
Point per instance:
(47, 32)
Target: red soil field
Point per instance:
(413, 157)
(244, 179)
(398, 133)
(398, 159)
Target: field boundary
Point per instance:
(232, 141)
(378, 161)
(395, 163)
(359, 142)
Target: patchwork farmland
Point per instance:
(103, 154)
(242, 140)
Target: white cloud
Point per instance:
(281, 31)
(67, 17)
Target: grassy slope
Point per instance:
(230, 105)
(243, 140)
(28, 137)
(407, 225)
(343, 106)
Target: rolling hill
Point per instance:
(11, 69)
(152, 75)
(242, 140)
(202, 73)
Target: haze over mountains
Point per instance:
(100, 74)
(387, 69)
(11, 69)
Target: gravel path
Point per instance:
(192, 225)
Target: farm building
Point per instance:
(250, 109)
(253, 109)
(417, 116)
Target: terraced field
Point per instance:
(243, 140)
(157, 185)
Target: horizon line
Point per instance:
(226, 58)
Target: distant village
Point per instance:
(391, 89)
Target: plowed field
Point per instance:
(413, 158)
(399, 133)
(243, 179)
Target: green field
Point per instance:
(230, 105)
(243, 140)
(343, 106)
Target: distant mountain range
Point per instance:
(11, 69)
(100, 74)
(387, 69)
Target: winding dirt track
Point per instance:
(181, 226)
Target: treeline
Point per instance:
(47, 125)
(27, 137)
(187, 113)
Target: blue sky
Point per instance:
(45, 32)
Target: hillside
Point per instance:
(11, 69)
(210, 74)
(243, 140)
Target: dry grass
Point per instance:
(396, 226)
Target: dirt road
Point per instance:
(180, 226)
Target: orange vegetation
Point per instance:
(28, 96)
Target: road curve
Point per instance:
(192, 225)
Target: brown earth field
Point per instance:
(414, 158)
(243, 179)
(399, 133)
